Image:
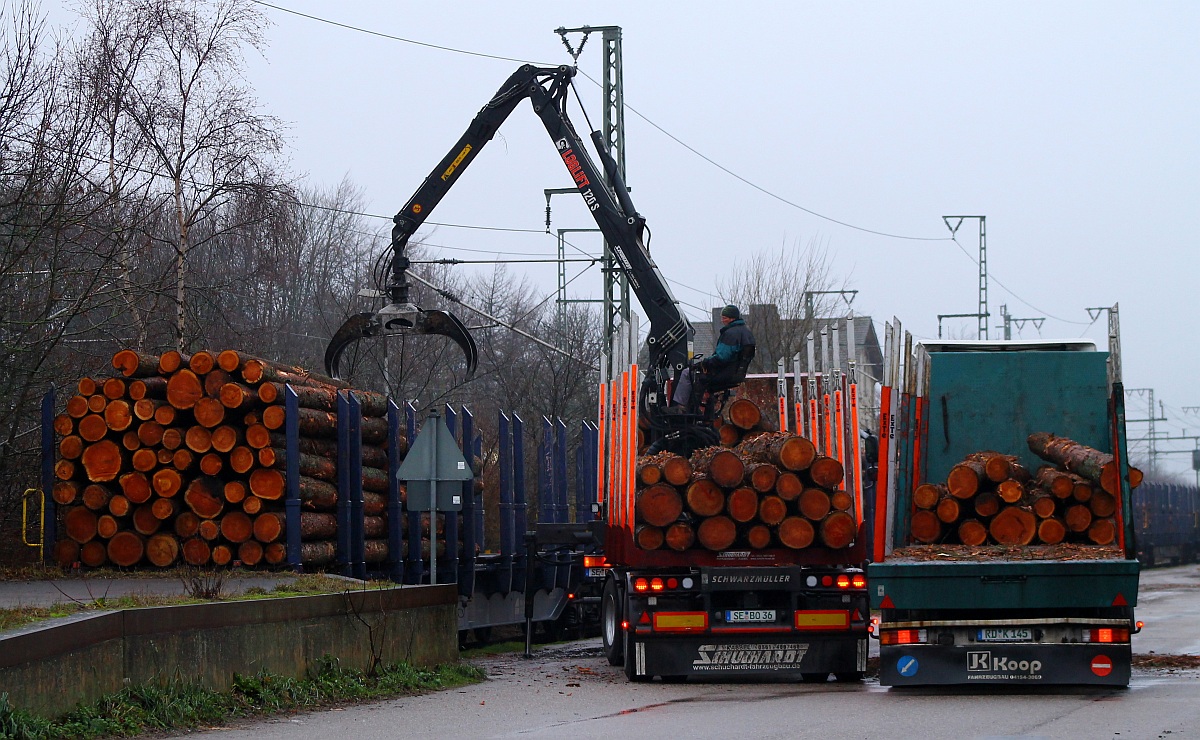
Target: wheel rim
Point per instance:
(610, 620)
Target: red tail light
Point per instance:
(656, 584)
(594, 561)
(843, 581)
(858, 580)
(903, 637)
(641, 584)
(1106, 634)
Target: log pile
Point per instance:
(741, 419)
(181, 459)
(991, 499)
(769, 491)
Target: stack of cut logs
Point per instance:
(771, 490)
(182, 459)
(989, 498)
(741, 418)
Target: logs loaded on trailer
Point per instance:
(771, 490)
(990, 498)
(180, 459)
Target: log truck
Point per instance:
(778, 612)
(987, 614)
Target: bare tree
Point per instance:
(107, 65)
(771, 287)
(202, 127)
(54, 291)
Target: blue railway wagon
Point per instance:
(1167, 521)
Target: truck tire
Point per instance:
(848, 677)
(611, 635)
(814, 677)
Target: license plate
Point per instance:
(596, 572)
(750, 615)
(1005, 634)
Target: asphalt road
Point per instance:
(570, 691)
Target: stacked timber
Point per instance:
(182, 459)
(990, 498)
(770, 491)
(741, 419)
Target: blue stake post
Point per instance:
(358, 543)
(451, 559)
(291, 428)
(560, 471)
(545, 473)
(477, 446)
(545, 493)
(519, 499)
(581, 477)
(415, 572)
(395, 529)
(562, 573)
(49, 510)
(344, 557)
(594, 465)
(466, 570)
(507, 509)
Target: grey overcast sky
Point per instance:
(1072, 126)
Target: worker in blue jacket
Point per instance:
(725, 366)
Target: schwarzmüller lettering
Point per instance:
(783, 578)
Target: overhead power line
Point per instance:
(390, 37)
(451, 297)
(996, 280)
(662, 130)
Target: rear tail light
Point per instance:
(903, 637)
(657, 584)
(858, 580)
(843, 581)
(1106, 635)
(594, 561)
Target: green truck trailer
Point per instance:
(996, 614)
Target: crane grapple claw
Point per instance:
(400, 319)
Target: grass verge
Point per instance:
(180, 705)
(302, 585)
